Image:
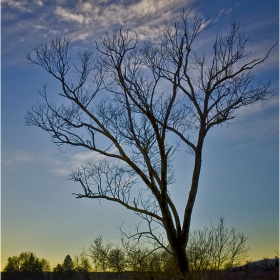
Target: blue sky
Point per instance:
(240, 170)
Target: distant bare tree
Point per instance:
(130, 256)
(117, 261)
(211, 250)
(215, 248)
(99, 252)
(82, 266)
(136, 255)
(130, 98)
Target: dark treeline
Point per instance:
(215, 248)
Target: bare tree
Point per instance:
(119, 109)
(215, 248)
(99, 253)
(136, 254)
(117, 261)
(82, 262)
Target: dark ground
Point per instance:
(256, 272)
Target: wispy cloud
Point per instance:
(142, 15)
(80, 20)
(87, 20)
(61, 164)
(221, 13)
(259, 122)
(259, 108)
(23, 5)
(68, 16)
(18, 157)
(40, 3)
(64, 166)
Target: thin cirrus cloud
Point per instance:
(18, 157)
(118, 12)
(39, 22)
(64, 165)
(23, 5)
(267, 125)
(68, 16)
(61, 166)
(130, 15)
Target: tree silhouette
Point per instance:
(58, 272)
(27, 265)
(134, 103)
(68, 267)
(13, 264)
(117, 260)
(216, 248)
(82, 266)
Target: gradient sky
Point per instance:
(239, 177)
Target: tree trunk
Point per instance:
(182, 262)
(180, 253)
